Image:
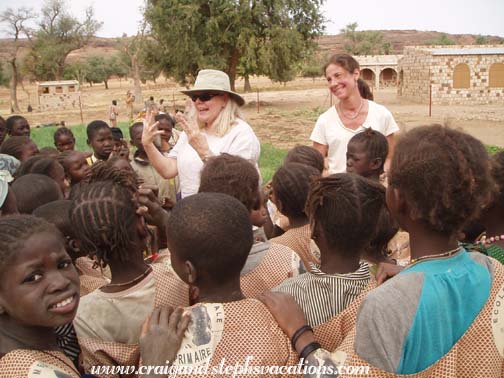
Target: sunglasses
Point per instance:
(204, 96)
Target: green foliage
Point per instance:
(4, 76)
(58, 35)
(239, 37)
(442, 40)
(271, 157)
(493, 149)
(367, 42)
(481, 40)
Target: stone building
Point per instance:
(379, 70)
(58, 95)
(452, 74)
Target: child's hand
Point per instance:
(161, 336)
(122, 151)
(386, 271)
(155, 214)
(150, 129)
(285, 310)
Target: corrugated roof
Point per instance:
(466, 50)
(62, 82)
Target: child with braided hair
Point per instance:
(75, 165)
(21, 147)
(366, 154)
(64, 139)
(290, 187)
(109, 227)
(39, 290)
(268, 263)
(343, 210)
(439, 182)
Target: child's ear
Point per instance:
(88, 142)
(192, 273)
(375, 163)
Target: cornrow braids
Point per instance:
(232, 175)
(307, 156)
(15, 230)
(347, 207)
(374, 144)
(104, 218)
(105, 170)
(291, 184)
(62, 131)
(444, 176)
(14, 146)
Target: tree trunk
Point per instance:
(233, 63)
(106, 84)
(13, 88)
(137, 88)
(247, 87)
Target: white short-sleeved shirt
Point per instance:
(240, 140)
(330, 131)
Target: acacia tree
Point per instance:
(15, 21)
(366, 42)
(256, 36)
(58, 35)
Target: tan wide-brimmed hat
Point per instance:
(215, 81)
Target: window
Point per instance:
(461, 76)
(71, 88)
(59, 89)
(496, 75)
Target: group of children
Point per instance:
(77, 286)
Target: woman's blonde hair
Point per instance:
(226, 118)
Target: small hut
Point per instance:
(58, 95)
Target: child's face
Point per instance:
(20, 128)
(41, 286)
(102, 143)
(78, 168)
(258, 215)
(136, 137)
(358, 161)
(58, 175)
(30, 149)
(167, 128)
(65, 143)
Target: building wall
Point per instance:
(421, 67)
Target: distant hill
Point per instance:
(329, 43)
(400, 38)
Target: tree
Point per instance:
(236, 36)
(58, 35)
(16, 27)
(481, 40)
(366, 42)
(442, 40)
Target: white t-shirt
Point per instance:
(240, 140)
(330, 131)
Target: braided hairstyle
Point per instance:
(444, 176)
(346, 206)
(307, 156)
(374, 144)
(232, 175)
(63, 131)
(291, 184)
(104, 217)
(14, 146)
(15, 230)
(105, 170)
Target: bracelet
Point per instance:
(307, 350)
(298, 334)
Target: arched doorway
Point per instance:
(388, 77)
(368, 75)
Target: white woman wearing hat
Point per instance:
(217, 127)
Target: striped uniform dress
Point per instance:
(321, 296)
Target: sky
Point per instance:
(484, 17)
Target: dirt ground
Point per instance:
(285, 116)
